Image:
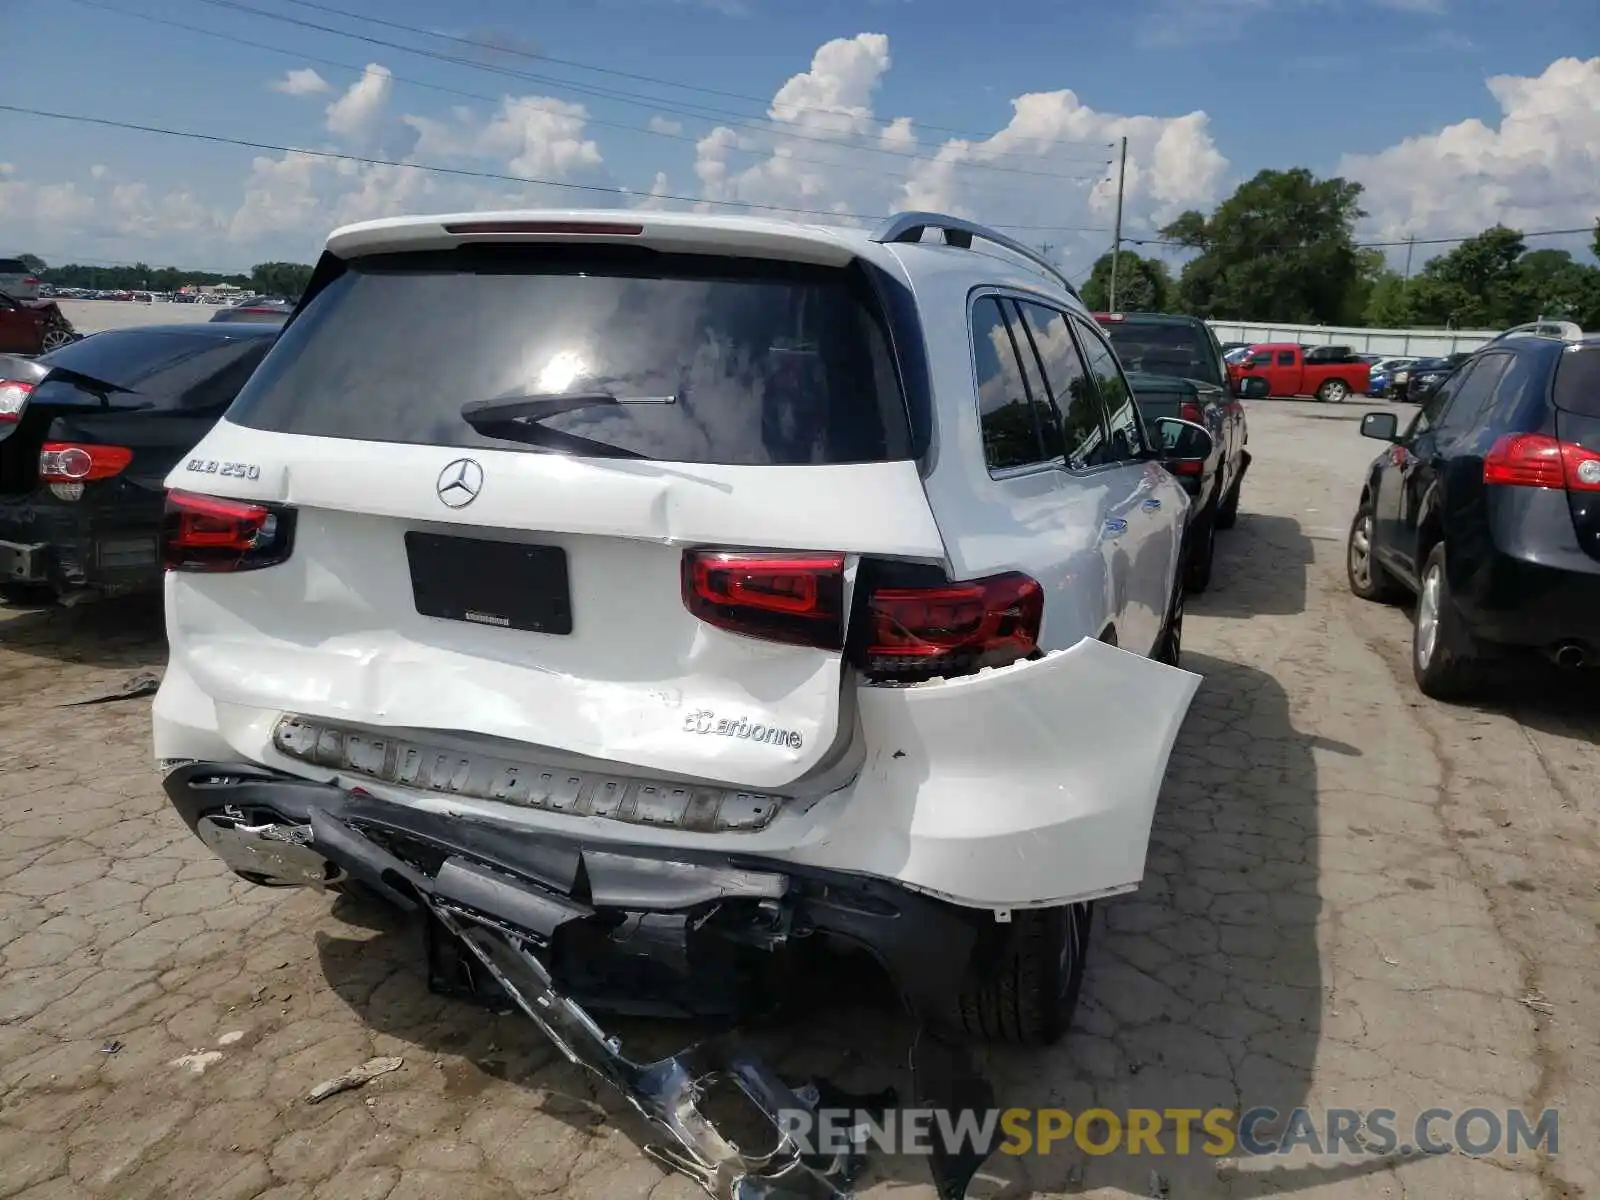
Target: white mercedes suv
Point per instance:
(633, 594)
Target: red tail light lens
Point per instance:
(30, 281)
(1187, 468)
(13, 398)
(1534, 460)
(951, 629)
(208, 533)
(796, 598)
(1190, 411)
(73, 462)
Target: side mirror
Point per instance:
(1181, 441)
(1381, 425)
(1251, 387)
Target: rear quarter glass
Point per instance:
(770, 363)
(1576, 388)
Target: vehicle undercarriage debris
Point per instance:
(504, 919)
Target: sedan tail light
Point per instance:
(81, 462)
(14, 396)
(1189, 410)
(212, 534)
(1535, 460)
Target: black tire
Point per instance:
(1202, 553)
(1027, 992)
(1228, 514)
(1333, 391)
(1445, 665)
(1367, 577)
(1169, 649)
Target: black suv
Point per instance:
(1487, 507)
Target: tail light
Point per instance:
(797, 598)
(1186, 467)
(1535, 460)
(30, 281)
(80, 462)
(1189, 410)
(915, 633)
(13, 398)
(208, 533)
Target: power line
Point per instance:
(620, 193)
(535, 56)
(634, 99)
(1443, 241)
(538, 106)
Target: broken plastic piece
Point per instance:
(353, 1078)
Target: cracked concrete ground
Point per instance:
(1355, 897)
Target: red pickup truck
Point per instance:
(1330, 373)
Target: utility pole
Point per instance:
(1116, 239)
(1411, 241)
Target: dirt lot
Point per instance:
(1355, 897)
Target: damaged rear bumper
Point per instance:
(285, 830)
(509, 904)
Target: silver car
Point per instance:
(17, 281)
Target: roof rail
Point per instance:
(959, 232)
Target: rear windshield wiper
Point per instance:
(517, 419)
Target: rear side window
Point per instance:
(1286, 358)
(1011, 422)
(13, 266)
(1577, 382)
(1071, 389)
(765, 363)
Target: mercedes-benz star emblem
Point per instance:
(460, 483)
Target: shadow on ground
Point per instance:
(126, 631)
(1261, 569)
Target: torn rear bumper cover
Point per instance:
(505, 898)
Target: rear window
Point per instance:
(1577, 382)
(134, 358)
(1180, 351)
(767, 363)
(13, 266)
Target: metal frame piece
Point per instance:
(959, 232)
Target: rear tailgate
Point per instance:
(445, 580)
(1576, 392)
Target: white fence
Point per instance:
(1364, 341)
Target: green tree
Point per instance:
(1550, 283)
(1474, 286)
(1143, 284)
(34, 263)
(285, 279)
(1281, 248)
(1388, 303)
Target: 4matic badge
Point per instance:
(705, 721)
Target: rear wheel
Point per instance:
(1443, 653)
(1228, 514)
(1027, 993)
(1202, 553)
(55, 337)
(1333, 391)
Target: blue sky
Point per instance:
(880, 104)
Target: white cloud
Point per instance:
(662, 125)
(303, 81)
(533, 136)
(1536, 170)
(1047, 167)
(356, 114)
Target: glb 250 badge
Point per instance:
(228, 470)
(705, 721)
